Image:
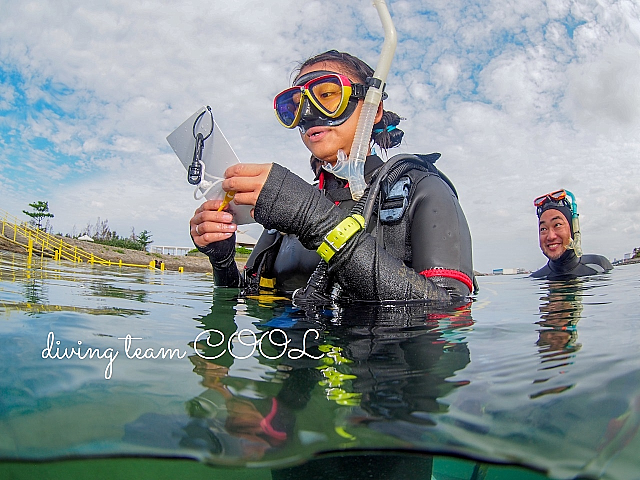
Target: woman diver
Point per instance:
(405, 239)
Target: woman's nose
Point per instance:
(308, 112)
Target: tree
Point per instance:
(144, 239)
(103, 232)
(41, 211)
(87, 230)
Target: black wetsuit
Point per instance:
(569, 265)
(424, 255)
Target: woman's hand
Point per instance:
(247, 180)
(209, 226)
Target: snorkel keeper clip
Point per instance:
(576, 241)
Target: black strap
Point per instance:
(338, 195)
(261, 263)
(390, 235)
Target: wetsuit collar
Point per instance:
(565, 264)
(371, 165)
(334, 187)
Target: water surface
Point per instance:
(536, 374)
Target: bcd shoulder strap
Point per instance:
(258, 272)
(394, 230)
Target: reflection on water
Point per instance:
(560, 311)
(368, 371)
(201, 373)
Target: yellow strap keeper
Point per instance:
(339, 236)
(267, 282)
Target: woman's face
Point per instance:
(324, 142)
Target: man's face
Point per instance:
(554, 233)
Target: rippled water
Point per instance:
(536, 375)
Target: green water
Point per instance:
(161, 469)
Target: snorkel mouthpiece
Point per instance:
(576, 241)
(352, 169)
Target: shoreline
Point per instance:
(190, 263)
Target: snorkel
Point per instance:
(352, 169)
(576, 243)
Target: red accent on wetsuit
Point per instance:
(445, 272)
(266, 426)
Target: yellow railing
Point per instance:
(37, 242)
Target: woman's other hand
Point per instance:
(208, 225)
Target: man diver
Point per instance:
(559, 235)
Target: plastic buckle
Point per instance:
(397, 201)
(338, 237)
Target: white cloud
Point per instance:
(603, 92)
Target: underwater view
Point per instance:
(112, 372)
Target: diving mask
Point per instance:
(319, 96)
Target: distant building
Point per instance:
(243, 239)
(508, 271)
(166, 250)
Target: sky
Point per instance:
(521, 98)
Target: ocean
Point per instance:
(109, 372)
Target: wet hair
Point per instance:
(385, 133)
